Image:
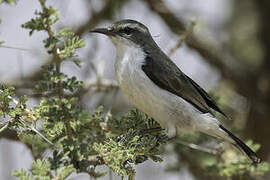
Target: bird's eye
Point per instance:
(127, 30)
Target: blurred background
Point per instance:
(226, 50)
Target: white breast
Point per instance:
(168, 109)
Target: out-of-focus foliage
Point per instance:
(43, 21)
(224, 162)
(41, 169)
(81, 140)
(11, 2)
(234, 165)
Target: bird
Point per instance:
(155, 85)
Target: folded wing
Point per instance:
(165, 74)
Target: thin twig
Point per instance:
(101, 84)
(37, 132)
(106, 13)
(15, 48)
(25, 123)
(182, 38)
(4, 127)
(197, 147)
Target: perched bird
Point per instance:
(156, 86)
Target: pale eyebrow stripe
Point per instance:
(135, 26)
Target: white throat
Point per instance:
(129, 58)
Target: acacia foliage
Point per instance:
(78, 140)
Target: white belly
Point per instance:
(166, 108)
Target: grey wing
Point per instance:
(168, 76)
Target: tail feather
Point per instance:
(242, 146)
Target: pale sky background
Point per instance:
(210, 15)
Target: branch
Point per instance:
(106, 13)
(182, 38)
(197, 147)
(101, 85)
(212, 53)
(21, 120)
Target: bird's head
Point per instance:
(127, 32)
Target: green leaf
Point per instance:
(10, 2)
(78, 62)
(40, 167)
(22, 175)
(65, 172)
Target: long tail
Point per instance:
(242, 146)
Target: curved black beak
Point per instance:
(103, 31)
